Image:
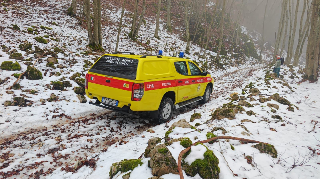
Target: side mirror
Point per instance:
(204, 73)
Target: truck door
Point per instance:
(198, 84)
(182, 81)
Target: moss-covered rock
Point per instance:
(234, 96)
(9, 65)
(266, 148)
(245, 103)
(82, 98)
(53, 98)
(219, 128)
(17, 56)
(250, 113)
(162, 161)
(207, 168)
(25, 46)
(124, 166)
(16, 86)
(19, 101)
(182, 123)
(151, 144)
(52, 60)
(254, 91)
(273, 105)
(280, 99)
(228, 110)
(186, 142)
(79, 90)
(195, 116)
(33, 74)
(210, 135)
(41, 40)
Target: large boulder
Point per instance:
(162, 161)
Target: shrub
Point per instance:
(41, 40)
(15, 66)
(57, 85)
(33, 74)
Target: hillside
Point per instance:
(48, 129)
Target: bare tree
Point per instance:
(290, 46)
(287, 19)
(303, 30)
(186, 21)
(280, 28)
(74, 7)
(156, 32)
(120, 25)
(88, 17)
(169, 15)
(221, 28)
(264, 19)
(95, 32)
(136, 25)
(313, 48)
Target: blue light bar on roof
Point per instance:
(181, 54)
(160, 52)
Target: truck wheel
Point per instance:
(165, 111)
(206, 95)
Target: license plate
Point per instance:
(109, 101)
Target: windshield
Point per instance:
(116, 66)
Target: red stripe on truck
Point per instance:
(111, 82)
(154, 85)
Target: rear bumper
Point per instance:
(124, 109)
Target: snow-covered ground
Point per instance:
(48, 140)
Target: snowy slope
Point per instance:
(67, 131)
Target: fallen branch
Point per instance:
(22, 75)
(209, 140)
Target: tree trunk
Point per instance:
(140, 19)
(293, 35)
(120, 25)
(156, 32)
(221, 28)
(134, 20)
(169, 15)
(74, 7)
(280, 30)
(186, 21)
(95, 23)
(287, 18)
(311, 71)
(87, 5)
(301, 32)
(99, 23)
(264, 18)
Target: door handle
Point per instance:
(108, 81)
(179, 81)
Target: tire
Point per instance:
(165, 111)
(206, 95)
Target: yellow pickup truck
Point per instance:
(159, 84)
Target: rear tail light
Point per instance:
(86, 82)
(137, 91)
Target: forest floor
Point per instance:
(69, 139)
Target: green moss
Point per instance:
(16, 75)
(186, 142)
(17, 56)
(79, 90)
(25, 46)
(57, 85)
(163, 150)
(16, 86)
(41, 40)
(266, 148)
(167, 133)
(197, 124)
(15, 27)
(124, 166)
(57, 50)
(6, 65)
(9, 65)
(228, 110)
(46, 36)
(51, 65)
(219, 128)
(232, 148)
(209, 136)
(195, 116)
(33, 74)
(250, 113)
(87, 64)
(207, 168)
(30, 30)
(290, 108)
